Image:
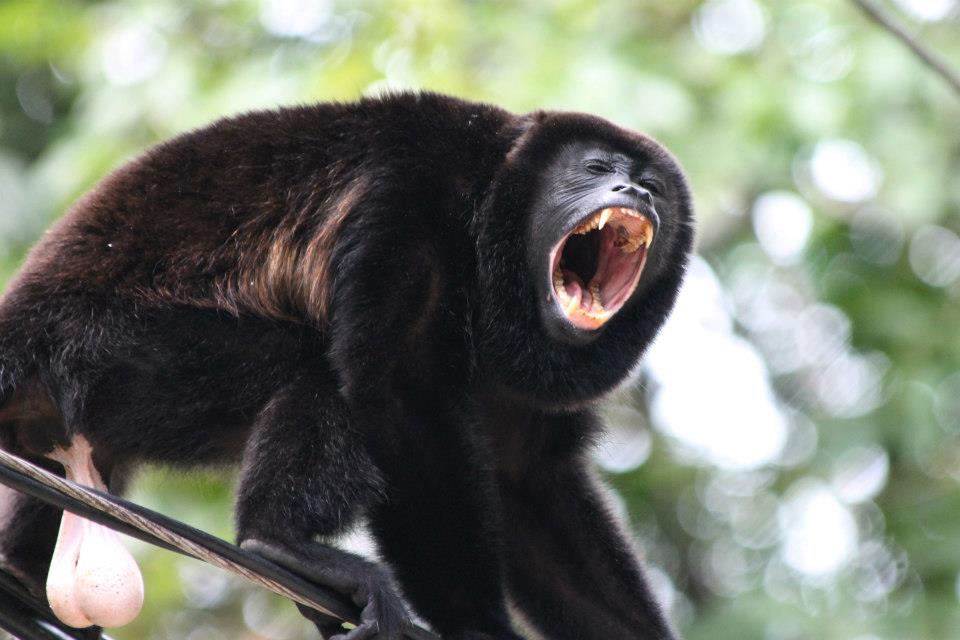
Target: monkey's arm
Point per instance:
(398, 347)
(306, 475)
(570, 569)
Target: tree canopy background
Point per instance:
(789, 455)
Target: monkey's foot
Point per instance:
(383, 614)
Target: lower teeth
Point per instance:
(595, 302)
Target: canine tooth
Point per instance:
(605, 215)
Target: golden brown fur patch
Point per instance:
(287, 276)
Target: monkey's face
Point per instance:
(582, 244)
(593, 225)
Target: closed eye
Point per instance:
(653, 185)
(598, 166)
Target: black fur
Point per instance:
(343, 296)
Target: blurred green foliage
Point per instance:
(812, 493)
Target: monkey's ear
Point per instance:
(523, 129)
(536, 117)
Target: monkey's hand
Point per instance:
(383, 614)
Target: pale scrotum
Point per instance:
(93, 579)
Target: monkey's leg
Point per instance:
(305, 475)
(27, 537)
(28, 527)
(28, 531)
(571, 570)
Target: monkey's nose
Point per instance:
(634, 190)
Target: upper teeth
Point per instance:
(634, 233)
(604, 216)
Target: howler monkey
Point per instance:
(402, 309)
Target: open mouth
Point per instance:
(597, 266)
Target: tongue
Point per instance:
(576, 289)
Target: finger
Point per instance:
(299, 562)
(328, 626)
(388, 620)
(271, 552)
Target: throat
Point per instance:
(580, 255)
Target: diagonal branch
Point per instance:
(929, 57)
